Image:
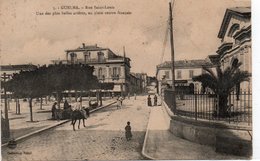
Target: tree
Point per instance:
(27, 84)
(222, 83)
(56, 78)
(104, 86)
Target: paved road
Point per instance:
(102, 139)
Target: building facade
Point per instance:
(235, 35)
(185, 70)
(11, 69)
(108, 66)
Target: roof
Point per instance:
(86, 48)
(244, 12)
(18, 67)
(186, 63)
(241, 9)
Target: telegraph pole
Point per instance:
(172, 56)
(172, 48)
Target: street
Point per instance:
(103, 138)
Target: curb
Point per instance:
(145, 140)
(22, 138)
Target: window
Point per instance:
(167, 74)
(116, 72)
(178, 74)
(191, 73)
(73, 57)
(87, 56)
(101, 56)
(233, 29)
(99, 73)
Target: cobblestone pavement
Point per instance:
(102, 139)
(20, 124)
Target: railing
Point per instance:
(238, 108)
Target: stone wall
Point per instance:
(226, 138)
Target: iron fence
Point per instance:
(206, 106)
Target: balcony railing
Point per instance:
(115, 77)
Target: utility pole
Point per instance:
(172, 56)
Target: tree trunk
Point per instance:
(8, 104)
(41, 104)
(19, 107)
(16, 106)
(59, 98)
(31, 112)
(46, 99)
(223, 105)
(100, 98)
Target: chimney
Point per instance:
(83, 44)
(124, 50)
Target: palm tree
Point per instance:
(222, 83)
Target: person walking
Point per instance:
(118, 103)
(135, 95)
(53, 110)
(149, 103)
(155, 100)
(121, 101)
(66, 105)
(128, 133)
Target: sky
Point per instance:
(38, 39)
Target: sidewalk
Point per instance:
(161, 144)
(20, 126)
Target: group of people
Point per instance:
(66, 106)
(149, 101)
(78, 106)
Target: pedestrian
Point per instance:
(149, 103)
(53, 110)
(128, 95)
(66, 104)
(155, 100)
(135, 95)
(79, 107)
(121, 101)
(128, 133)
(118, 102)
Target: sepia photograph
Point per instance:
(126, 80)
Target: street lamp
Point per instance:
(6, 130)
(100, 94)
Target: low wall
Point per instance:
(225, 138)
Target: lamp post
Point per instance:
(100, 94)
(6, 132)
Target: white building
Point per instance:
(109, 67)
(184, 71)
(235, 35)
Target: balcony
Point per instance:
(115, 77)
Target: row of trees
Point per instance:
(55, 78)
